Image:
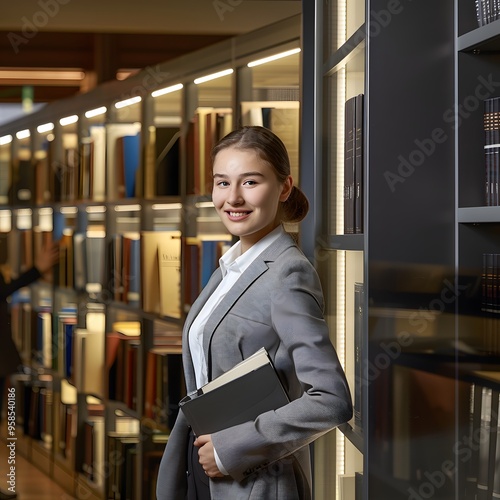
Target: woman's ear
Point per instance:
(287, 189)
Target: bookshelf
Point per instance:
(120, 176)
(427, 253)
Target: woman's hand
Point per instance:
(206, 455)
(48, 256)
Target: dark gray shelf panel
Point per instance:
(485, 38)
(347, 242)
(354, 435)
(348, 50)
(471, 215)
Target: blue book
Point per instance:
(131, 158)
(134, 288)
(68, 349)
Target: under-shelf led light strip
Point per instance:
(341, 94)
(68, 120)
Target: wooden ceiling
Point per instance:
(99, 55)
(100, 38)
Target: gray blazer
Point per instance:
(277, 303)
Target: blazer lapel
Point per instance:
(256, 269)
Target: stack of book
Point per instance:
(492, 149)
(487, 11)
(353, 166)
(490, 302)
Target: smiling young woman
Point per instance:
(267, 294)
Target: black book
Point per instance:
(358, 353)
(358, 165)
(247, 390)
(349, 165)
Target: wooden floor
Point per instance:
(31, 483)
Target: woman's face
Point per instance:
(246, 194)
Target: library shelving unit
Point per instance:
(411, 294)
(120, 176)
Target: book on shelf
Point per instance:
(86, 167)
(207, 126)
(44, 339)
(353, 165)
(358, 354)
(167, 164)
(22, 188)
(5, 177)
(122, 470)
(42, 172)
(151, 293)
(97, 176)
(239, 395)
(489, 453)
(164, 385)
(95, 245)
(490, 302)
(358, 165)
(487, 11)
(191, 270)
(491, 125)
(285, 123)
(122, 159)
(123, 268)
(66, 168)
(169, 263)
(93, 452)
(122, 345)
(212, 249)
(89, 355)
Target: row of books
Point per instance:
(353, 165)
(142, 269)
(491, 122)
(209, 125)
(487, 11)
(483, 472)
(490, 302)
(105, 165)
(96, 361)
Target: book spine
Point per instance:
(358, 354)
(349, 166)
(358, 165)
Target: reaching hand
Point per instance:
(47, 257)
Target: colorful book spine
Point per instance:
(492, 150)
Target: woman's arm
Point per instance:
(306, 357)
(12, 286)
(43, 263)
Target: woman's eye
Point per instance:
(250, 182)
(223, 183)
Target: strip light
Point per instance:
(213, 76)
(23, 134)
(128, 102)
(273, 58)
(95, 112)
(46, 127)
(41, 75)
(68, 120)
(167, 90)
(6, 139)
